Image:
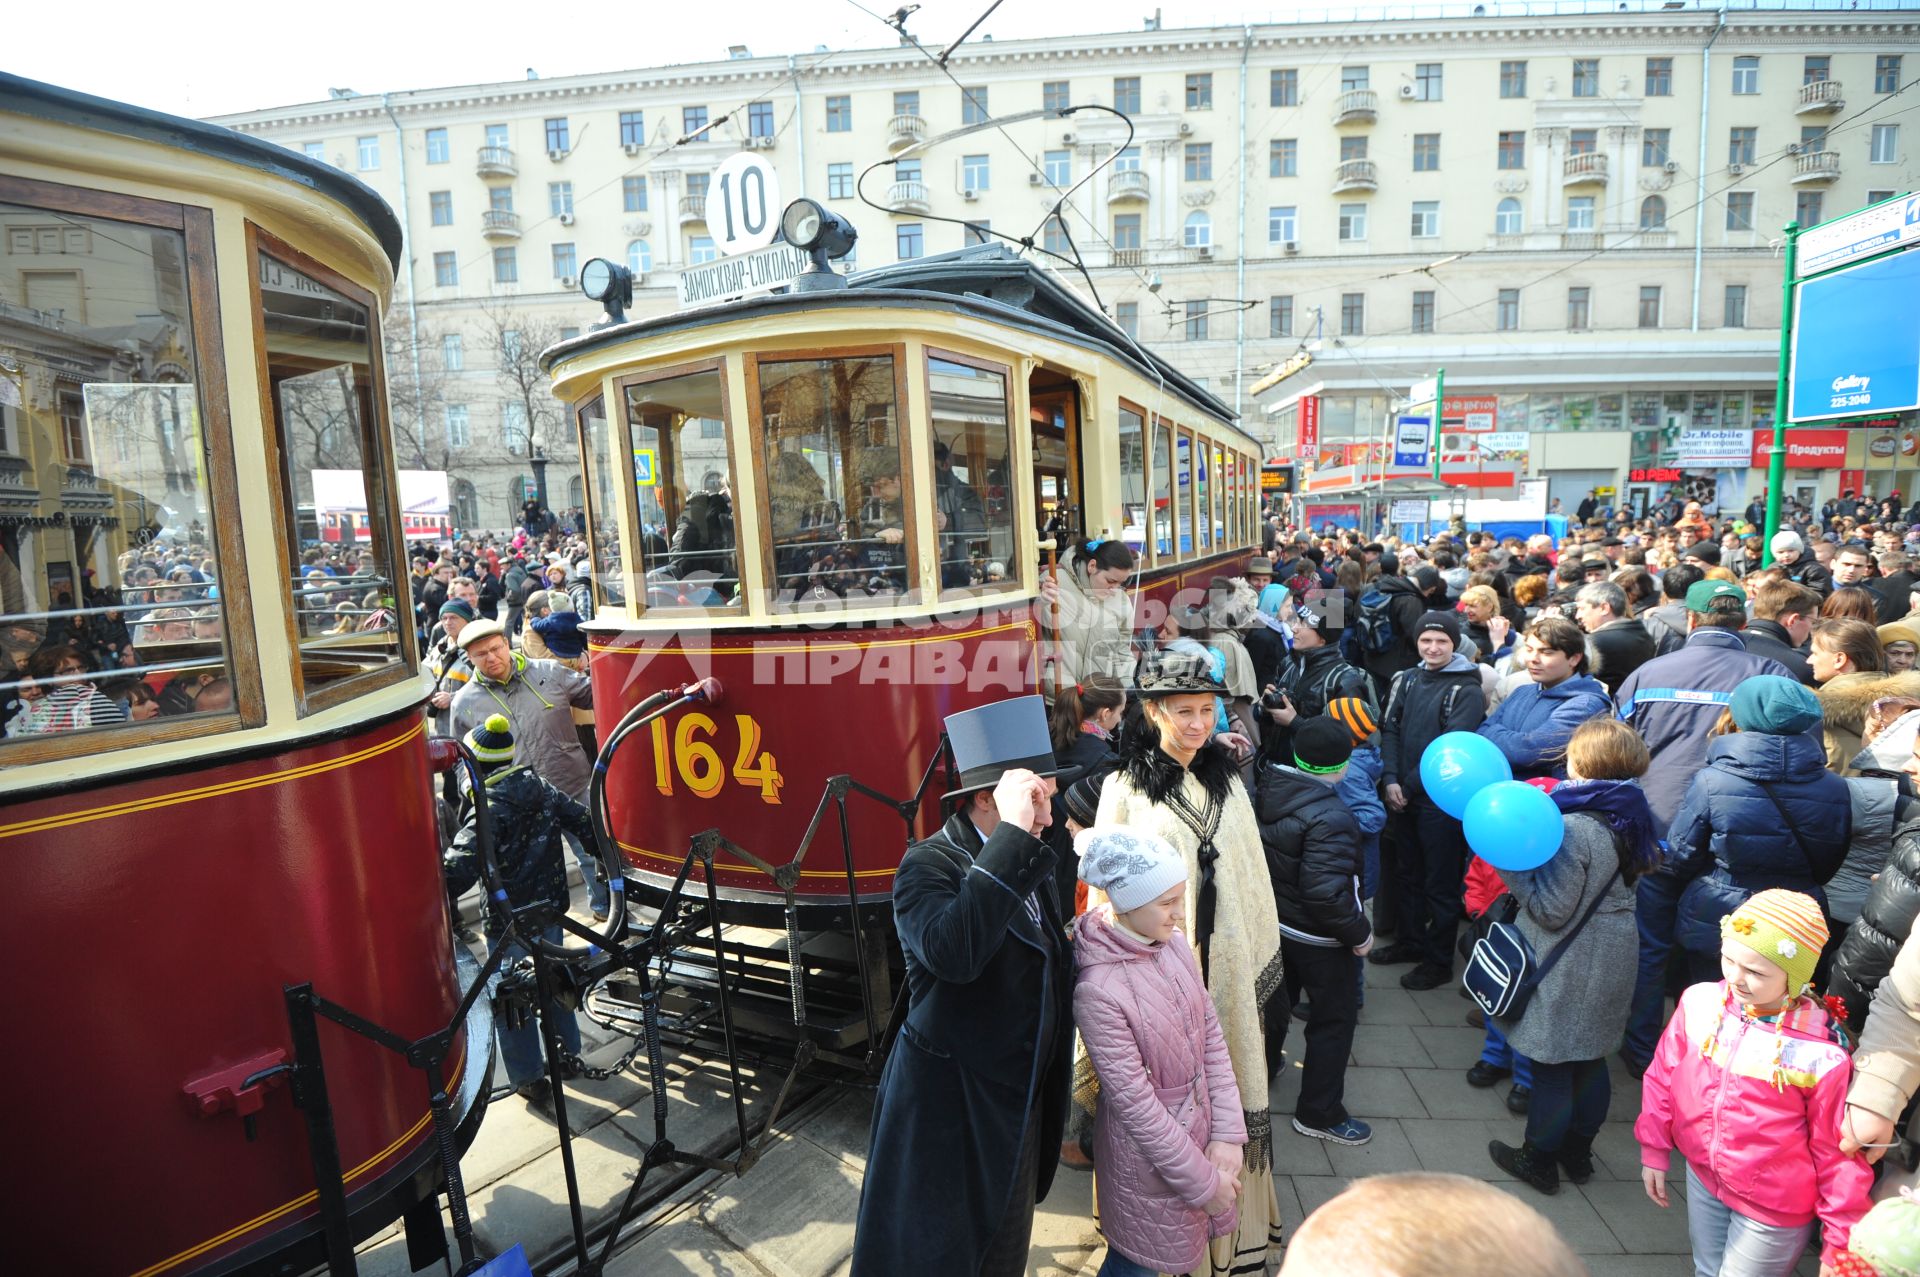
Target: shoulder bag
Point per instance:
(1503, 972)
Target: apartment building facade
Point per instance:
(1578, 216)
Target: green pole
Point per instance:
(1439, 417)
(1777, 458)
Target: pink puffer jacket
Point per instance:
(1166, 1091)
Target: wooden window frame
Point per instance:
(1020, 493)
(1185, 434)
(909, 489)
(242, 655)
(383, 496)
(578, 410)
(1146, 479)
(1164, 432)
(637, 569)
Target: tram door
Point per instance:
(1055, 417)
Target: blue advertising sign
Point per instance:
(1856, 341)
(1412, 438)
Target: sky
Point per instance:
(238, 55)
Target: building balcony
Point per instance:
(1355, 175)
(904, 131)
(909, 197)
(1127, 184)
(693, 208)
(1659, 237)
(16, 476)
(500, 225)
(1820, 97)
(1816, 166)
(1500, 243)
(1587, 168)
(1356, 106)
(496, 161)
(80, 481)
(1582, 241)
(1133, 257)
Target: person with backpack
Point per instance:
(1385, 631)
(1314, 677)
(1441, 694)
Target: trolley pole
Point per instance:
(1777, 457)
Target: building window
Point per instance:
(693, 120)
(459, 433)
(1650, 305)
(633, 128)
(557, 135)
(633, 193)
(1353, 222)
(565, 262)
(1283, 225)
(497, 136)
(1746, 75)
(1126, 94)
(1426, 81)
(1199, 161)
(1126, 231)
(1506, 217)
(840, 114)
(559, 198)
(1127, 316)
(639, 257)
(1586, 77)
(1426, 152)
(1128, 161)
(513, 427)
(500, 199)
(1653, 213)
(1659, 77)
(453, 352)
(1578, 308)
(974, 173)
(700, 249)
(759, 119)
(369, 148)
(1353, 148)
(1513, 79)
(1053, 236)
(438, 151)
(1352, 78)
(1513, 149)
(446, 270)
(1813, 137)
(1055, 96)
(1196, 321)
(909, 240)
(1878, 197)
(906, 102)
(1886, 73)
(1740, 145)
(839, 181)
(1734, 312)
(976, 232)
(973, 105)
(1423, 311)
(441, 205)
(1739, 210)
(697, 183)
(1426, 219)
(1200, 91)
(1816, 68)
(1886, 144)
(1283, 87)
(1197, 231)
(1582, 141)
(506, 266)
(1806, 208)
(1580, 213)
(1058, 167)
(1506, 313)
(1654, 144)
(1283, 157)
(315, 151)
(1280, 316)
(1353, 314)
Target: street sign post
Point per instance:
(1885, 226)
(1412, 439)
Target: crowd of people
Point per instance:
(1188, 851)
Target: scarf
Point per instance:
(1623, 805)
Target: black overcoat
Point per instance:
(986, 1046)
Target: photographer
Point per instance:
(1314, 676)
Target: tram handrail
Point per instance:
(117, 673)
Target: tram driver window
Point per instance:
(110, 604)
(683, 482)
(972, 477)
(597, 446)
(319, 349)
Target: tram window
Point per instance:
(1203, 495)
(1183, 492)
(839, 529)
(603, 506)
(319, 339)
(1163, 493)
(1133, 478)
(973, 512)
(111, 610)
(683, 484)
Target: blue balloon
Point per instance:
(1512, 825)
(1458, 765)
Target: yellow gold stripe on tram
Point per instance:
(132, 806)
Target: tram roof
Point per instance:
(985, 279)
(83, 110)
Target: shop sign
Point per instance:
(1308, 418)
(1880, 446)
(1654, 474)
(1474, 414)
(1716, 448)
(1806, 449)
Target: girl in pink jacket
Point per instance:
(1168, 1132)
(1748, 1083)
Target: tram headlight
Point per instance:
(817, 231)
(609, 284)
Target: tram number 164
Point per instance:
(698, 763)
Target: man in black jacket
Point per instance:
(1783, 617)
(1314, 859)
(1620, 644)
(1442, 694)
(1894, 585)
(1313, 676)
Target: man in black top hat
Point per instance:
(971, 1107)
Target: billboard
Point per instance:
(340, 506)
(1856, 341)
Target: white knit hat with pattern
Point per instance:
(1133, 868)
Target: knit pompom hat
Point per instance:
(492, 741)
(1132, 867)
(1888, 1237)
(1356, 715)
(1785, 928)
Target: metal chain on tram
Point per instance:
(645, 1037)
